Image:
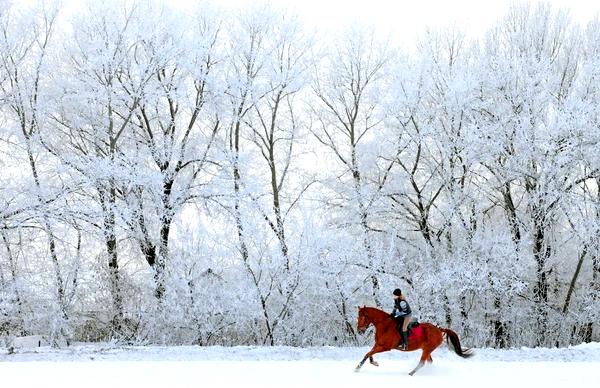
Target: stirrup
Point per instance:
(401, 345)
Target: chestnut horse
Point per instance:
(425, 336)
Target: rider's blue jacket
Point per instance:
(401, 308)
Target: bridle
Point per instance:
(362, 316)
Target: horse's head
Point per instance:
(363, 320)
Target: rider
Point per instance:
(402, 316)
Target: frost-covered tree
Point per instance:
(174, 126)
(348, 86)
(534, 61)
(26, 46)
(98, 101)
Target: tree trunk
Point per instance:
(464, 315)
(511, 213)
(447, 311)
(364, 222)
(280, 228)
(541, 253)
(363, 214)
(165, 230)
(500, 329)
(108, 201)
(574, 279)
(595, 291)
(13, 273)
(236, 207)
(60, 288)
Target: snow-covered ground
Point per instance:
(107, 365)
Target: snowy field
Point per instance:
(109, 365)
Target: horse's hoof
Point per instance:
(375, 363)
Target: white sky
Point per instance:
(405, 20)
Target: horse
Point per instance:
(425, 336)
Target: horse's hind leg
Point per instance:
(425, 356)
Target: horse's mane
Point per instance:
(376, 311)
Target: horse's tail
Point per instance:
(453, 337)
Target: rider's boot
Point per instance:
(404, 345)
(399, 328)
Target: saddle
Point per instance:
(409, 328)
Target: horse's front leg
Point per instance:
(376, 349)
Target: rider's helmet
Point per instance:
(397, 292)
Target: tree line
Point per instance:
(230, 177)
